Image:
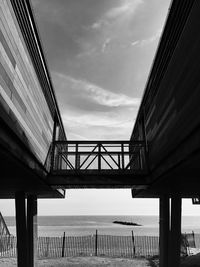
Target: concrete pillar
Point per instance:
(21, 229)
(164, 230)
(175, 235)
(32, 228)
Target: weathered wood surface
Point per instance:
(20, 90)
(170, 108)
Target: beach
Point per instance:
(115, 241)
(82, 262)
(191, 261)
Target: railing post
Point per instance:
(119, 161)
(133, 240)
(52, 156)
(99, 156)
(66, 150)
(76, 157)
(122, 148)
(96, 243)
(63, 246)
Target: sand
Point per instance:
(82, 262)
(191, 261)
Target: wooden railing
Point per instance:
(99, 155)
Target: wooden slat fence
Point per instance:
(8, 246)
(94, 245)
(146, 246)
(197, 240)
(115, 246)
(91, 245)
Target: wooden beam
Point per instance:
(21, 227)
(164, 230)
(175, 235)
(112, 178)
(111, 142)
(32, 228)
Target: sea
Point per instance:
(87, 225)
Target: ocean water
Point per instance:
(87, 225)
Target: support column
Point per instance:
(32, 228)
(164, 230)
(21, 229)
(175, 236)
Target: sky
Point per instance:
(99, 54)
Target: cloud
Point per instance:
(105, 44)
(97, 25)
(95, 93)
(111, 120)
(116, 16)
(109, 125)
(81, 123)
(135, 43)
(128, 7)
(150, 39)
(110, 99)
(146, 41)
(114, 120)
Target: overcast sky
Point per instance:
(99, 54)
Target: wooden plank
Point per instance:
(22, 123)
(4, 104)
(10, 12)
(7, 49)
(109, 142)
(11, 25)
(34, 118)
(26, 88)
(6, 73)
(3, 83)
(105, 153)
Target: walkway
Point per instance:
(98, 164)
